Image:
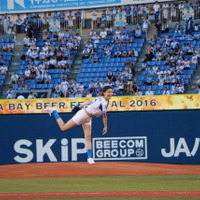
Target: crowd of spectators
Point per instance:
(120, 80)
(53, 51)
(6, 49)
(134, 14)
(56, 50)
(119, 36)
(177, 57)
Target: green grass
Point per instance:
(113, 183)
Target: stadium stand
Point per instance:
(175, 57)
(6, 49)
(45, 61)
(111, 54)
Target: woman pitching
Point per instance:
(95, 108)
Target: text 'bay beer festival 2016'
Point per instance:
(125, 103)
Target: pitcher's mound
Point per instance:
(98, 169)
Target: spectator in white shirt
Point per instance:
(173, 11)
(20, 97)
(34, 54)
(47, 78)
(10, 93)
(14, 78)
(138, 93)
(149, 92)
(52, 63)
(117, 32)
(42, 55)
(64, 87)
(85, 53)
(174, 89)
(88, 94)
(78, 94)
(10, 47)
(94, 18)
(27, 73)
(186, 64)
(31, 96)
(103, 34)
(26, 40)
(180, 88)
(3, 69)
(165, 9)
(166, 91)
(61, 63)
(194, 59)
(156, 9)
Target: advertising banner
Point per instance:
(54, 25)
(37, 5)
(153, 137)
(120, 19)
(23, 6)
(129, 103)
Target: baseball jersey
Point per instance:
(97, 106)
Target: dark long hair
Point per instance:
(105, 88)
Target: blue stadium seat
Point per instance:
(142, 88)
(134, 45)
(160, 87)
(2, 77)
(158, 92)
(38, 86)
(9, 53)
(140, 45)
(44, 86)
(50, 85)
(188, 76)
(33, 86)
(154, 87)
(193, 66)
(188, 71)
(151, 63)
(14, 86)
(56, 80)
(20, 72)
(7, 40)
(23, 62)
(11, 40)
(139, 83)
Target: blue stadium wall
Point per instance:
(147, 136)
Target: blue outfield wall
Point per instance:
(147, 136)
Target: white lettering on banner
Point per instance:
(64, 150)
(22, 147)
(75, 149)
(11, 4)
(41, 150)
(120, 148)
(125, 2)
(19, 149)
(181, 148)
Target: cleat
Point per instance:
(50, 110)
(90, 161)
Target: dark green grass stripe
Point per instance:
(116, 183)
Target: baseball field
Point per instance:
(104, 180)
